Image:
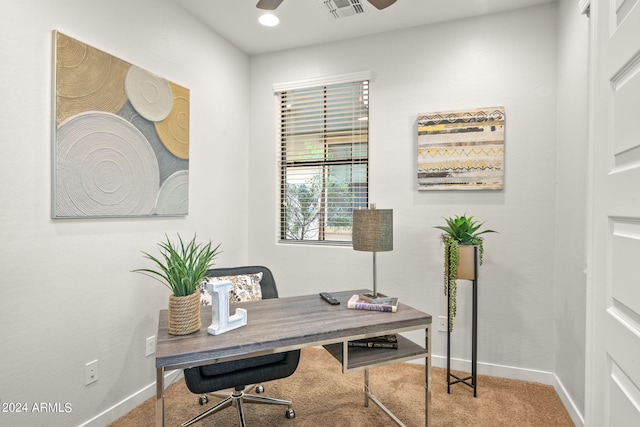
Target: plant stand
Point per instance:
(470, 381)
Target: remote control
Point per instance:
(329, 298)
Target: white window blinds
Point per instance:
(323, 142)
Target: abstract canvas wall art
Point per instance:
(461, 150)
(121, 137)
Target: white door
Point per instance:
(613, 325)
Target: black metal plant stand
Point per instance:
(470, 381)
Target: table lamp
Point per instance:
(373, 232)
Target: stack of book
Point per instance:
(357, 303)
(384, 341)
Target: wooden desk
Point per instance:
(282, 324)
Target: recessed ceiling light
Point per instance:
(269, 20)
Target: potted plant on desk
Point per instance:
(460, 236)
(181, 267)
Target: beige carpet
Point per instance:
(322, 395)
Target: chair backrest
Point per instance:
(267, 284)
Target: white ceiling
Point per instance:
(308, 22)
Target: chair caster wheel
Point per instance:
(203, 399)
(290, 413)
(260, 389)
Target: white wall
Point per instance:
(67, 295)
(571, 208)
(80, 302)
(505, 59)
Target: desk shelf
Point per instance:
(363, 358)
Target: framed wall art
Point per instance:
(461, 150)
(121, 137)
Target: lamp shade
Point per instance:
(372, 230)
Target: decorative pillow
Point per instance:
(246, 287)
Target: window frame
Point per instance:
(357, 163)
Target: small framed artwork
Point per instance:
(120, 137)
(461, 150)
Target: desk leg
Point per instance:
(427, 370)
(160, 397)
(366, 388)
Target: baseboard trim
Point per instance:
(501, 371)
(521, 374)
(128, 404)
(568, 402)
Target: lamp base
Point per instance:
(375, 298)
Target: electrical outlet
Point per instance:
(91, 372)
(151, 345)
(442, 323)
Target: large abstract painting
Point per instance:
(121, 137)
(461, 150)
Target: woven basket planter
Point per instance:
(184, 314)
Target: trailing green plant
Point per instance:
(181, 266)
(460, 230)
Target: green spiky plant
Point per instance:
(181, 266)
(460, 230)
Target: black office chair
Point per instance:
(238, 374)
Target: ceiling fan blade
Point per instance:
(269, 4)
(381, 4)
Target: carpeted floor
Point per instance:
(322, 395)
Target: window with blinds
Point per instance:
(323, 136)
